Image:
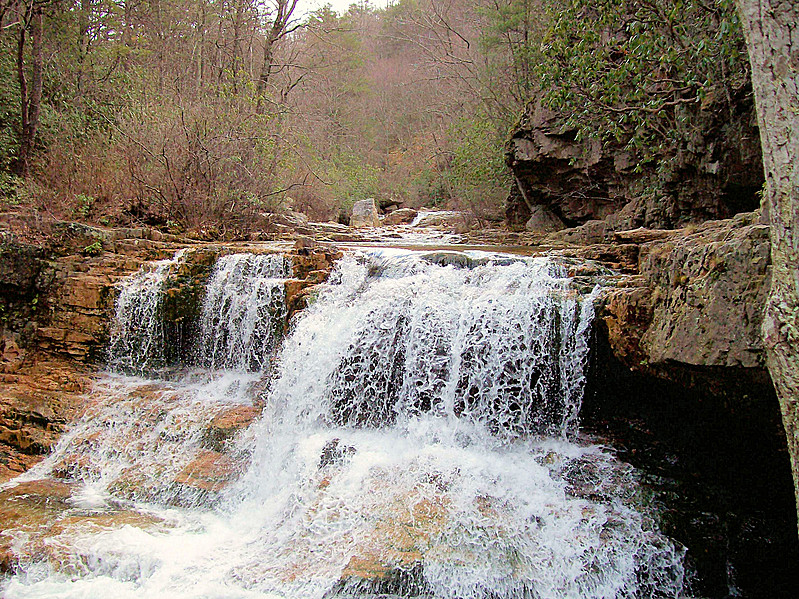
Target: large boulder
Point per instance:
(364, 214)
(401, 216)
(447, 220)
(542, 220)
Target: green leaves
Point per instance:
(627, 71)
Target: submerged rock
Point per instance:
(210, 471)
(226, 424)
(333, 454)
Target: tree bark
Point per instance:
(30, 97)
(772, 35)
(279, 28)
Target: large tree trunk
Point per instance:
(772, 36)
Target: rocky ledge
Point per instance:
(57, 293)
(679, 386)
(677, 381)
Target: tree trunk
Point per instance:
(30, 98)
(266, 67)
(772, 36)
(280, 27)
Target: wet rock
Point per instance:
(210, 471)
(390, 556)
(317, 260)
(41, 514)
(333, 453)
(683, 386)
(371, 577)
(456, 259)
(299, 294)
(29, 507)
(401, 216)
(226, 424)
(36, 404)
(364, 214)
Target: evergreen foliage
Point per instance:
(636, 73)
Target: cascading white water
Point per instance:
(243, 311)
(502, 346)
(137, 331)
(418, 439)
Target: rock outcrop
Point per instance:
(698, 300)
(716, 176)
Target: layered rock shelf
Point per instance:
(677, 380)
(680, 299)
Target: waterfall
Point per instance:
(240, 325)
(137, 331)
(418, 438)
(499, 345)
(244, 311)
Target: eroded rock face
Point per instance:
(716, 177)
(19, 266)
(701, 298)
(36, 404)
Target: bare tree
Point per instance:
(29, 23)
(281, 25)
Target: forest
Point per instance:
(187, 113)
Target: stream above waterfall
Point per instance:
(414, 432)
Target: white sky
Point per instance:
(340, 6)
